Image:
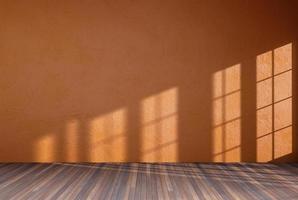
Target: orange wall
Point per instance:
(148, 81)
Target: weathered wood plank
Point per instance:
(148, 181)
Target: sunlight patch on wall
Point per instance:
(274, 104)
(227, 115)
(159, 127)
(108, 139)
(46, 148)
(71, 140)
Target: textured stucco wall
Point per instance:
(143, 80)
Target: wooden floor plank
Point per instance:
(148, 181)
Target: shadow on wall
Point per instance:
(189, 81)
(273, 115)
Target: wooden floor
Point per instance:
(148, 181)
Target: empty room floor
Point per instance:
(148, 181)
